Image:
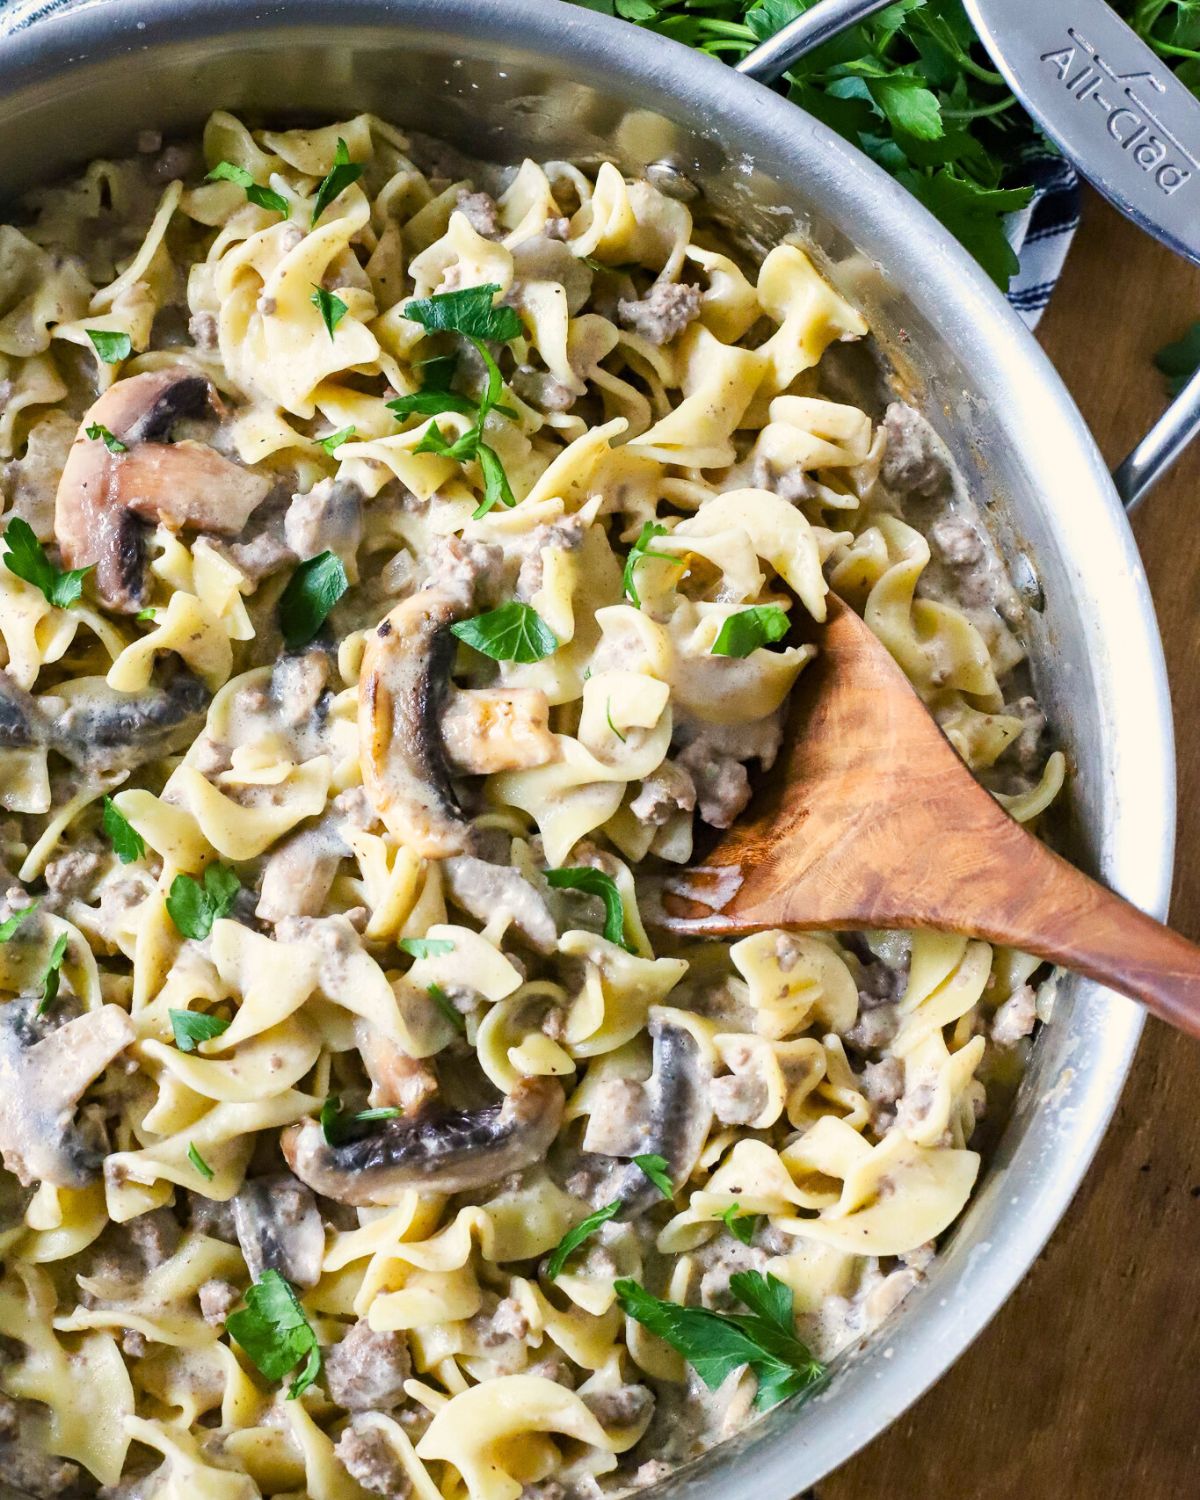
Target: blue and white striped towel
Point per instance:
(1041, 234)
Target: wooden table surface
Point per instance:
(1086, 1386)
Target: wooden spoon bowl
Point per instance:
(870, 819)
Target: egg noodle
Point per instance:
(400, 563)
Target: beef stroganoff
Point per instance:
(404, 561)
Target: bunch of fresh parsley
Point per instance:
(913, 88)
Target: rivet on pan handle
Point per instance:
(1113, 108)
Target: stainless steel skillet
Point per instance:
(503, 78)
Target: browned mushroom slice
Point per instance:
(101, 729)
(105, 498)
(680, 1114)
(485, 730)
(401, 690)
(444, 1152)
(279, 1228)
(104, 730)
(44, 1071)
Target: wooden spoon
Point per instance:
(870, 819)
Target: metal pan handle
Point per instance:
(1006, 24)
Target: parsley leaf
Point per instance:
(469, 311)
(639, 551)
(575, 1237)
(596, 883)
(496, 490)
(715, 1344)
(10, 924)
(337, 1126)
(127, 842)
(111, 347)
(431, 401)
(199, 1163)
(655, 1168)
(191, 1027)
(194, 907)
(341, 175)
(27, 559)
(449, 1011)
(749, 629)
(99, 433)
(1180, 361)
(336, 439)
(275, 1334)
(425, 947)
(312, 591)
(512, 632)
(50, 978)
(330, 306)
(262, 197)
(740, 1225)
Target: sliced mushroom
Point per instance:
(443, 1152)
(485, 730)
(44, 1071)
(105, 498)
(485, 889)
(279, 1229)
(298, 874)
(680, 1115)
(402, 687)
(103, 730)
(22, 722)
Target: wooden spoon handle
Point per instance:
(1061, 914)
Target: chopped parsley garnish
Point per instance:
(330, 306)
(1180, 361)
(51, 976)
(425, 947)
(262, 197)
(10, 924)
(341, 175)
(740, 1225)
(336, 439)
(27, 559)
(312, 591)
(431, 402)
(111, 347)
(596, 883)
(127, 842)
(275, 1334)
(575, 1237)
(715, 1344)
(191, 1027)
(336, 1126)
(100, 434)
(469, 312)
(655, 1168)
(640, 550)
(194, 907)
(199, 1163)
(450, 1012)
(512, 632)
(749, 629)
